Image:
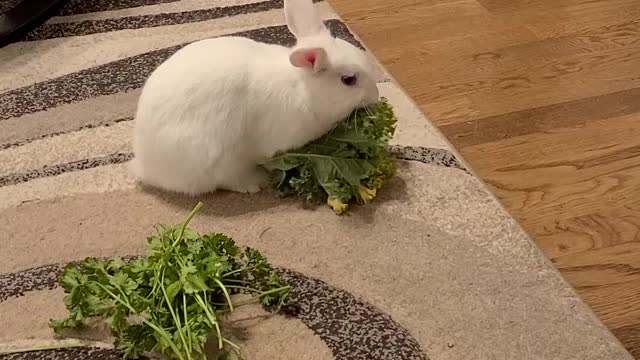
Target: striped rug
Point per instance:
(433, 269)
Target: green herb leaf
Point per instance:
(173, 289)
(195, 283)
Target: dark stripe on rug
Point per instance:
(352, 329)
(53, 170)
(76, 353)
(88, 27)
(16, 284)
(433, 156)
(54, 134)
(124, 75)
(6, 5)
(76, 7)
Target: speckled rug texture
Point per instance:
(433, 269)
(6, 5)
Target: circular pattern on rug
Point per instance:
(351, 328)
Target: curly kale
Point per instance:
(349, 163)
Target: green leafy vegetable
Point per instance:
(349, 163)
(174, 298)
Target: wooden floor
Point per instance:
(542, 98)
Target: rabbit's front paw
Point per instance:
(251, 183)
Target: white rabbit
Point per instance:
(218, 107)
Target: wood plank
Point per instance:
(619, 309)
(564, 172)
(492, 91)
(512, 78)
(630, 337)
(541, 119)
(580, 19)
(598, 39)
(508, 7)
(604, 267)
(448, 20)
(353, 10)
(476, 46)
(589, 232)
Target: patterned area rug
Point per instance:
(6, 5)
(434, 268)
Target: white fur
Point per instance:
(215, 109)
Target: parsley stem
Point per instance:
(238, 281)
(166, 336)
(256, 298)
(210, 316)
(161, 331)
(233, 345)
(186, 222)
(244, 288)
(233, 272)
(176, 318)
(226, 293)
(219, 335)
(186, 321)
(117, 298)
(273, 291)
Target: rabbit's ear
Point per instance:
(311, 58)
(302, 18)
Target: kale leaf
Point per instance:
(349, 163)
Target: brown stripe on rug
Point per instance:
(126, 74)
(6, 5)
(14, 285)
(13, 179)
(88, 27)
(432, 156)
(341, 320)
(75, 7)
(79, 353)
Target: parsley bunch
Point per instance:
(172, 300)
(349, 163)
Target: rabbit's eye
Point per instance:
(349, 80)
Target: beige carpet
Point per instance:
(434, 269)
